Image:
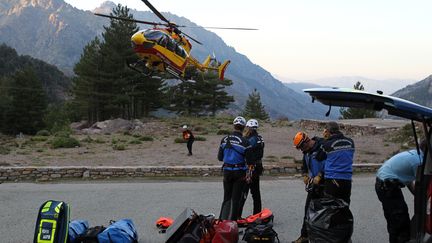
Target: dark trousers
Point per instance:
(189, 145)
(338, 188)
(254, 188)
(233, 183)
(395, 210)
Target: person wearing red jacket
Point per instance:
(189, 137)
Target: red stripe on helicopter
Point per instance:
(152, 51)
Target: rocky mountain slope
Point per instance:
(420, 92)
(56, 32)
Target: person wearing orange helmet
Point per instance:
(312, 171)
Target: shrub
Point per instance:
(136, 135)
(146, 138)
(179, 140)
(4, 150)
(64, 142)
(135, 141)
(223, 132)
(39, 139)
(88, 139)
(44, 133)
(199, 138)
(119, 147)
(63, 133)
(99, 140)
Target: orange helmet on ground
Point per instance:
(299, 139)
(164, 223)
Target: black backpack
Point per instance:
(260, 232)
(52, 223)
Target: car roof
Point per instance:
(360, 99)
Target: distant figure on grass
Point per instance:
(189, 137)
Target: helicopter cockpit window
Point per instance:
(163, 41)
(180, 51)
(153, 35)
(171, 45)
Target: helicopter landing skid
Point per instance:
(140, 68)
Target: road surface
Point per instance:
(145, 201)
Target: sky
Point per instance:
(312, 39)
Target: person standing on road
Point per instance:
(256, 152)
(339, 154)
(233, 151)
(397, 172)
(189, 137)
(312, 171)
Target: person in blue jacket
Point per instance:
(312, 171)
(234, 153)
(339, 154)
(257, 152)
(397, 172)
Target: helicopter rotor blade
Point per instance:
(127, 19)
(155, 11)
(191, 38)
(221, 28)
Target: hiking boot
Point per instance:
(301, 239)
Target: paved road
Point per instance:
(145, 201)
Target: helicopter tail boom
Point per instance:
(222, 68)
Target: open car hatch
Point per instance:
(360, 99)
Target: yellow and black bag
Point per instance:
(52, 223)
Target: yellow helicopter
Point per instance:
(167, 50)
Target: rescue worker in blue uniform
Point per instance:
(256, 153)
(312, 171)
(339, 154)
(397, 172)
(234, 152)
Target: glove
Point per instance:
(306, 179)
(316, 180)
(249, 173)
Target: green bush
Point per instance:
(180, 140)
(44, 133)
(223, 132)
(99, 140)
(199, 138)
(4, 150)
(136, 135)
(39, 139)
(88, 139)
(64, 142)
(135, 141)
(119, 147)
(146, 138)
(63, 133)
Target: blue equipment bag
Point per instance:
(77, 228)
(122, 231)
(52, 223)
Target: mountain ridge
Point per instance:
(59, 32)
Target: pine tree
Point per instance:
(115, 51)
(27, 104)
(357, 113)
(87, 85)
(202, 96)
(254, 108)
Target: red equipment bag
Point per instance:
(226, 231)
(265, 216)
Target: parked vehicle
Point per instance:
(421, 230)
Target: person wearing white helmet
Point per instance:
(189, 137)
(234, 152)
(257, 151)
